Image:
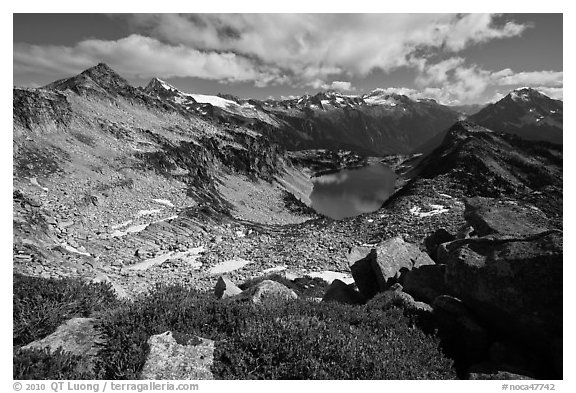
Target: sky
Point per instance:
(453, 58)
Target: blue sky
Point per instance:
(454, 58)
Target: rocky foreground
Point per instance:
(113, 185)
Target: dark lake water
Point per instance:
(351, 192)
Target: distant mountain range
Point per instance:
(376, 123)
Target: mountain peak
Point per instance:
(159, 84)
(100, 79)
(525, 112)
(526, 94)
(101, 70)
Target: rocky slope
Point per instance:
(132, 187)
(524, 112)
(100, 166)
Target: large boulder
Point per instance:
(464, 339)
(225, 288)
(514, 285)
(426, 282)
(267, 292)
(395, 257)
(360, 261)
(191, 358)
(340, 292)
(492, 217)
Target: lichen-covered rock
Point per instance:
(169, 359)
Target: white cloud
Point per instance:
(451, 81)
(341, 86)
(478, 28)
(271, 48)
(552, 92)
(534, 78)
(437, 73)
(139, 56)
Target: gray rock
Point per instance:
(394, 257)
(225, 288)
(267, 292)
(397, 298)
(451, 305)
(513, 285)
(464, 232)
(435, 239)
(492, 372)
(426, 282)
(360, 261)
(168, 359)
(489, 216)
(65, 224)
(339, 292)
(77, 336)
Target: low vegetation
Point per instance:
(41, 305)
(288, 340)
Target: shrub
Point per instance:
(294, 339)
(40, 364)
(302, 286)
(41, 305)
(288, 339)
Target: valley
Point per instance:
(149, 188)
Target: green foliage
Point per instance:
(288, 340)
(41, 305)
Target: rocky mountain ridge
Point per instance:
(113, 184)
(527, 113)
(375, 123)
